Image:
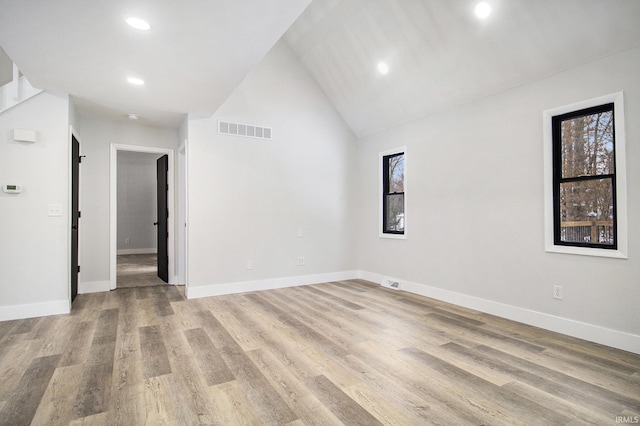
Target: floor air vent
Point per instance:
(244, 130)
(391, 283)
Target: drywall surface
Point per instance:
(262, 204)
(475, 203)
(137, 202)
(34, 253)
(97, 136)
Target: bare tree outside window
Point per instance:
(584, 177)
(393, 194)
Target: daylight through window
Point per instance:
(584, 178)
(393, 201)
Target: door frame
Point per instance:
(113, 208)
(182, 215)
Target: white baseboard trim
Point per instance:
(32, 310)
(93, 287)
(593, 333)
(137, 251)
(270, 284)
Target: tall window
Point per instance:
(584, 185)
(393, 186)
(585, 178)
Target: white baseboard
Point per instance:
(137, 251)
(32, 310)
(93, 287)
(246, 286)
(593, 333)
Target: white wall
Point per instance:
(181, 183)
(248, 197)
(74, 117)
(34, 251)
(97, 136)
(137, 202)
(475, 210)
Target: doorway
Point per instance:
(136, 246)
(142, 254)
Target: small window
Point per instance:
(393, 194)
(588, 191)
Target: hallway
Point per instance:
(138, 270)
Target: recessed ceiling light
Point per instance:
(133, 116)
(138, 24)
(383, 68)
(483, 10)
(135, 80)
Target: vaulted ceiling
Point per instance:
(439, 54)
(193, 57)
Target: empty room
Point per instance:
(319, 212)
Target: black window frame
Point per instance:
(386, 184)
(558, 179)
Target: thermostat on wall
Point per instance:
(12, 189)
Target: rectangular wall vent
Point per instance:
(391, 283)
(244, 130)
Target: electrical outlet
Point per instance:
(249, 264)
(127, 240)
(300, 261)
(557, 292)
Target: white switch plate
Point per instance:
(54, 210)
(299, 232)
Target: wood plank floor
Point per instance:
(137, 270)
(348, 352)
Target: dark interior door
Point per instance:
(75, 214)
(163, 215)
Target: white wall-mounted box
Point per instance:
(24, 135)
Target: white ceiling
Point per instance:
(191, 60)
(197, 52)
(440, 55)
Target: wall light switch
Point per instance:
(54, 210)
(299, 232)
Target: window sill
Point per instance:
(393, 236)
(586, 251)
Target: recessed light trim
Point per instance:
(137, 23)
(135, 81)
(383, 68)
(133, 116)
(483, 10)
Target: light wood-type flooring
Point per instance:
(348, 353)
(137, 270)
